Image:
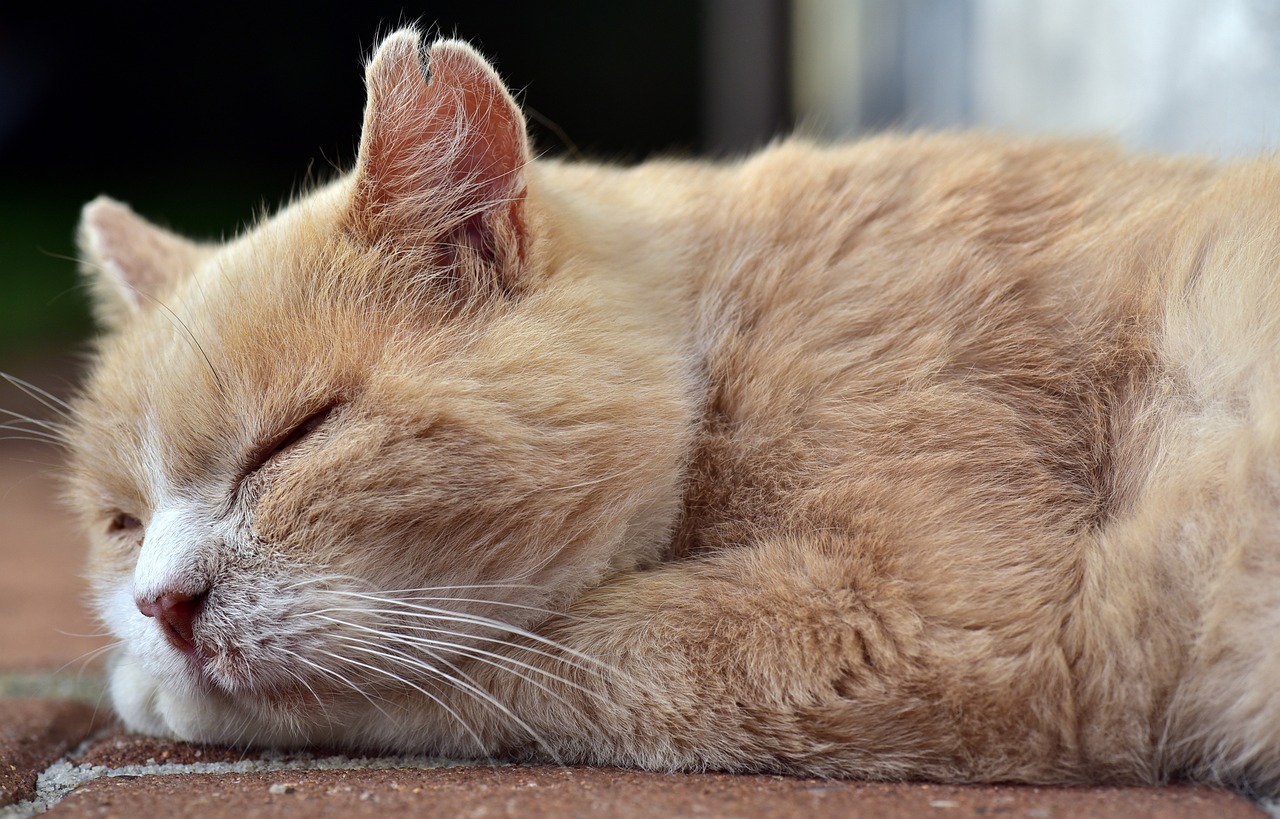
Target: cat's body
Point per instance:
(951, 457)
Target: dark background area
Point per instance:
(201, 115)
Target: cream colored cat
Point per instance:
(951, 457)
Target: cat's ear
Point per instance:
(130, 264)
(442, 159)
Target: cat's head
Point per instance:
(324, 458)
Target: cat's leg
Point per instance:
(796, 655)
(1224, 718)
(1209, 515)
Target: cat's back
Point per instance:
(872, 312)
(929, 216)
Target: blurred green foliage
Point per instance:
(44, 304)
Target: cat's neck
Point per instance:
(626, 243)
(635, 227)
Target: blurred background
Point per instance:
(200, 114)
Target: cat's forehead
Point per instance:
(276, 321)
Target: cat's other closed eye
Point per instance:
(123, 524)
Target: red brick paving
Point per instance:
(116, 747)
(42, 609)
(553, 791)
(34, 734)
(572, 792)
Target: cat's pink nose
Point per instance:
(176, 612)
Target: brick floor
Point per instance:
(94, 768)
(571, 792)
(33, 734)
(115, 748)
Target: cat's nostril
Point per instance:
(176, 612)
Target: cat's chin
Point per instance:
(184, 708)
(134, 693)
(187, 710)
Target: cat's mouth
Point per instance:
(209, 664)
(198, 659)
(185, 643)
(240, 671)
(228, 671)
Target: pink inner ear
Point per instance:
(492, 136)
(394, 122)
(458, 139)
(142, 261)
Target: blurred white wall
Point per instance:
(1183, 75)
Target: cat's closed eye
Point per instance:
(289, 439)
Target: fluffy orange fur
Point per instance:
(951, 456)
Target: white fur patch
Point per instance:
(170, 558)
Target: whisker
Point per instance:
(351, 579)
(104, 632)
(496, 661)
(43, 464)
(15, 427)
(459, 617)
(456, 587)
(51, 426)
(321, 580)
(482, 601)
(89, 656)
(30, 437)
(245, 726)
(401, 680)
(31, 433)
(177, 321)
(579, 485)
(478, 654)
(596, 667)
(480, 746)
(461, 681)
(601, 670)
(48, 399)
(432, 612)
(297, 675)
(356, 580)
(340, 678)
(499, 641)
(315, 581)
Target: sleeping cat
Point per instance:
(950, 457)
